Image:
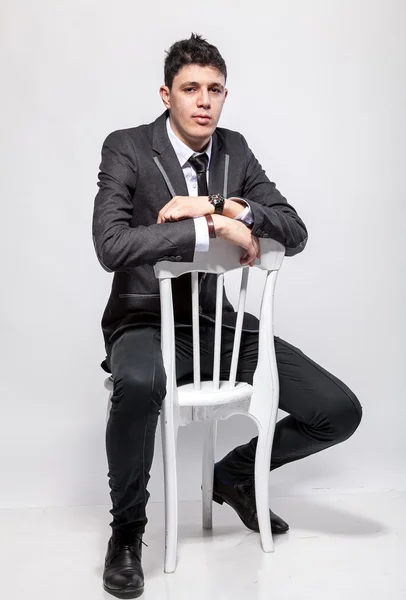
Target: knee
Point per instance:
(137, 393)
(344, 415)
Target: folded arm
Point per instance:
(271, 214)
(118, 245)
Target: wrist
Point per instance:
(232, 208)
(210, 209)
(220, 224)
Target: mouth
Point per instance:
(201, 119)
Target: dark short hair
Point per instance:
(194, 51)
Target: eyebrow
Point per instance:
(196, 83)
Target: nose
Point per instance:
(203, 98)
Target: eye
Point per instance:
(217, 90)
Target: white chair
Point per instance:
(213, 400)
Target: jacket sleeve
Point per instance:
(119, 246)
(272, 216)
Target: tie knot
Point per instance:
(199, 162)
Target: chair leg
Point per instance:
(209, 449)
(262, 473)
(169, 432)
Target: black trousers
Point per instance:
(323, 411)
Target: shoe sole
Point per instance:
(125, 595)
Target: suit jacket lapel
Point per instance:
(167, 159)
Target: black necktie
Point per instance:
(200, 164)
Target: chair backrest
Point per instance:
(221, 258)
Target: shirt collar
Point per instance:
(183, 152)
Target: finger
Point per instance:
(174, 214)
(252, 256)
(258, 247)
(163, 213)
(168, 206)
(168, 210)
(245, 259)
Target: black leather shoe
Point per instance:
(241, 497)
(123, 576)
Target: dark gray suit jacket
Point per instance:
(139, 174)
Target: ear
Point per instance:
(165, 95)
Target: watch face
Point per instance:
(218, 202)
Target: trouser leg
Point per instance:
(139, 390)
(323, 411)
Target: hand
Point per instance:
(239, 234)
(185, 207)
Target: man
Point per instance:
(165, 189)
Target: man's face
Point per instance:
(195, 103)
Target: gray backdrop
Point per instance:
(318, 89)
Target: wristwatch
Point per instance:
(218, 202)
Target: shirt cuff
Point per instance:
(246, 215)
(202, 234)
(243, 214)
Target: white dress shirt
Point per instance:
(183, 152)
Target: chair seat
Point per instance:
(206, 396)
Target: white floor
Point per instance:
(348, 546)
